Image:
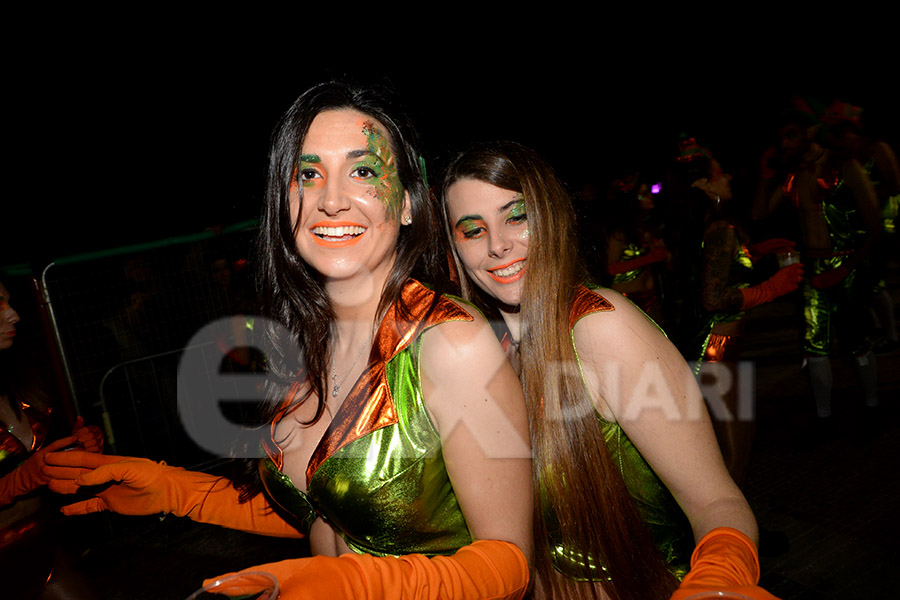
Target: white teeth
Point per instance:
(338, 231)
(511, 269)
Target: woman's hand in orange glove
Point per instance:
(138, 486)
(29, 475)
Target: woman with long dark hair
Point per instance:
(396, 433)
(623, 448)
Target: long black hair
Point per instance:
(298, 313)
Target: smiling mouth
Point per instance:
(337, 235)
(508, 273)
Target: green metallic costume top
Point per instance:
(665, 520)
(378, 475)
(631, 251)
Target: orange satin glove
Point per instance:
(725, 560)
(29, 475)
(138, 486)
(784, 281)
(486, 569)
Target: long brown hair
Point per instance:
(576, 482)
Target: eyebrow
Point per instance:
(314, 158)
(469, 218)
(510, 204)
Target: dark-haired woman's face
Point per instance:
(490, 231)
(8, 320)
(353, 201)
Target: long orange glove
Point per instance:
(29, 476)
(784, 281)
(486, 569)
(725, 560)
(143, 487)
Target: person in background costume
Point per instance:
(623, 447)
(633, 252)
(841, 226)
(27, 546)
(718, 262)
(398, 442)
(846, 137)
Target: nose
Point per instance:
(500, 244)
(10, 316)
(334, 198)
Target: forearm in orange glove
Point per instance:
(487, 569)
(29, 476)
(138, 486)
(725, 560)
(784, 281)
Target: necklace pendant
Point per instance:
(334, 391)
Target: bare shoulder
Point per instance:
(612, 324)
(459, 343)
(624, 336)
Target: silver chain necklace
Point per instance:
(336, 385)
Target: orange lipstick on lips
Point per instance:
(336, 234)
(511, 272)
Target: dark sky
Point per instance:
(116, 147)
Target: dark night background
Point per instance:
(127, 141)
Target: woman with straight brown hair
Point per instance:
(627, 473)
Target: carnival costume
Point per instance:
(668, 526)
(378, 475)
(834, 289)
(637, 259)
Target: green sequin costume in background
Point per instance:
(846, 300)
(378, 475)
(668, 525)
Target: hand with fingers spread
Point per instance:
(139, 486)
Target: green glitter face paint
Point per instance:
(470, 227)
(517, 213)
(381, 163)
(307, 175)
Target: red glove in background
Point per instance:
(771, 246)
(784, 281)
(725, 560)
(829, 278)
(488, 569)
(29, 475)
(138, 486)
(657, 254)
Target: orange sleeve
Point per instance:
(488, 569)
